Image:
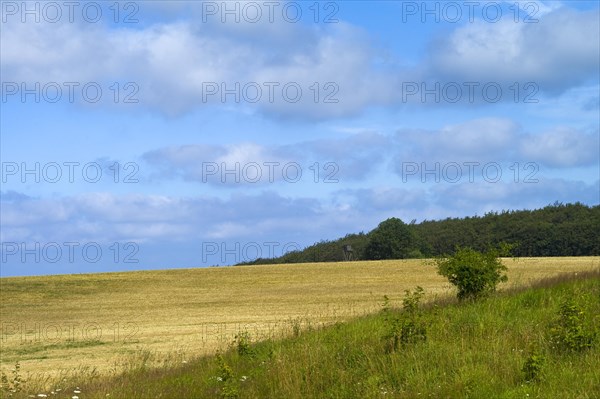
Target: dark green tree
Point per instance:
(392, 239)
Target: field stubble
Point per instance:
(104, 323)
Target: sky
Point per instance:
(171, 134)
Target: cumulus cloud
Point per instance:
(14, 196)
(439, 201)
(558, 52)
(296, 71)
(562, 147)
(106, 217)
(241, 165)
(536, 8)
(386, 199)
(497, 140)
(484, 197)
(477, 146)
(478, 139)
(293, 71)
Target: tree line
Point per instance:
(555, 230)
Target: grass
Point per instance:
(115, 322)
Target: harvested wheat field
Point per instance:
(100, 323)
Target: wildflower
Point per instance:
(244, 378)
(42, 395)
(77, 391)
(75, 397)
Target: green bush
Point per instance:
(569, 332)
(475, 274)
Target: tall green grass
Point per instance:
(473, 350)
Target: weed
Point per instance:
(385, 306)
(243, 343)
(296, 327)
(410, 302)
(408, 328)
(15, 383)
(532, 368)
(225, 371)
(229, 388)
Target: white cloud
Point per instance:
(498, 140)
(172, 62)
(439, 201)
(350, 158)
(105, 217)
(480, 140)
(467, 198)
(536, 8)
(562, 147)
(176, 65)
(558, 52)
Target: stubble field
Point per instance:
(101, 323)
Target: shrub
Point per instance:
(569, 332)
(474, 274)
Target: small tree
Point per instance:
(475, 274)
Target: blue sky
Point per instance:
(164, 134)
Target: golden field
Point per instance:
(74, 323)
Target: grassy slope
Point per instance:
(473, 350)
